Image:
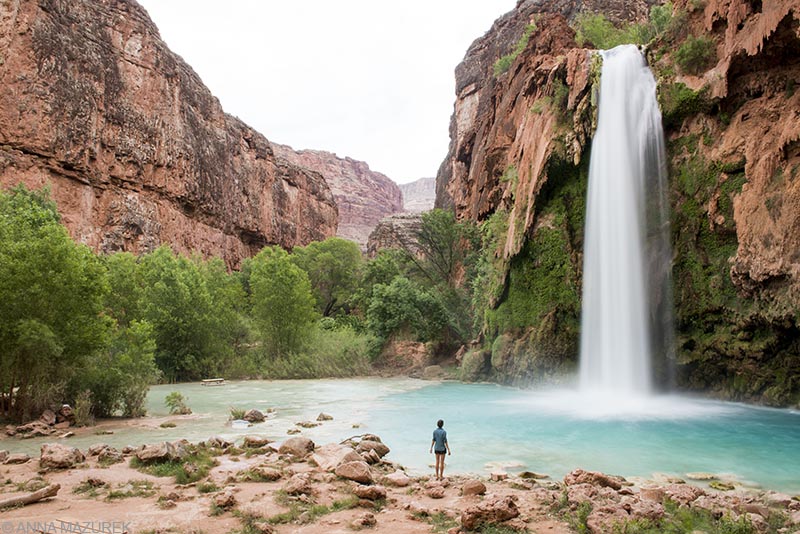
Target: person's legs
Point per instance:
(439, 466)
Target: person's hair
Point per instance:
(440, 423)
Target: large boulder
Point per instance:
(110, 455)
(298, 446)
(160, 452)
(473, 487)
(357, 471)
(489, 512)
(57, 456)
(330, 456)
(48, 417)
(397, 479)
(367, 445)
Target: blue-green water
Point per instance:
(490, 426)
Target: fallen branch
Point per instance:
(36, 496)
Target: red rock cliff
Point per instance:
(363, 196)
(135, 148)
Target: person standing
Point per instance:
(440, 446)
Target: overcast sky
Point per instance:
(368, 79)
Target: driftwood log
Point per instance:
(36, 496)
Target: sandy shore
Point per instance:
(312, 499)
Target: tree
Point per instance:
(178, 305)
(332, 267)
(446, 247)
(124, 299)
(402, 308)
(281, 302)
(51, 299)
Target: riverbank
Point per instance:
(299, 487)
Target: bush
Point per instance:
(504, 63)
(332, 353)
(696, 55)
(83, 409)
(177, 404)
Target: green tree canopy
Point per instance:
(333, 268)
(281, 301)
(51, 298)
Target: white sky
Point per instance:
(369, 79)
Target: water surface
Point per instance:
(490, 426)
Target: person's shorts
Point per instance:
(440, 452)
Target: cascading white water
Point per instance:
(626, 262)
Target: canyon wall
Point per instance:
(135, 149)
(518, 163)
(419, 195)
(363, 196)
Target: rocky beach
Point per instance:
(298, 486)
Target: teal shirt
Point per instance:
(439, 440)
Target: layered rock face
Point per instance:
(518, 159)
(396, 231)
(363, 196)
(419, 195)
(136, 150)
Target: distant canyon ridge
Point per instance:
(137, 152)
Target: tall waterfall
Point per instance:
(627, 303)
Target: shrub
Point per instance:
(504, 63)
(177, 404)
(236, 413)
(696, 55)
(83, 409)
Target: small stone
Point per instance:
(324, 417)
(293, 431)
(498, 476)
(720, 486)
(701, 476)
(365, 520)
(3, 456)
(531, 475)
(225, 500)
(307, 424)
(436, 492)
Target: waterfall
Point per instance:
(626, 317)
